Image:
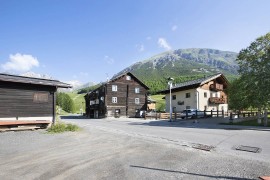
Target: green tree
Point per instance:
(254, 65)
(65, 102)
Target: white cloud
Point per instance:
(74, 83)
(109, 60)
(164, 44)
(174, 27)
(20, 62)
(140, 47)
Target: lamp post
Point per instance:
(170, 81)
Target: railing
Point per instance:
(177, 115)
(216, 87)
(217, 100)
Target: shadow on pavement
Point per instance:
(197, 124)
(73, 117)
(189, 173)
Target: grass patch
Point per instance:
(160, 103)
(62, 127)
(248, 123)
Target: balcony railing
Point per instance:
(217, 100)
(216, 87)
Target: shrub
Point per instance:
(62, 127)
(72, 127)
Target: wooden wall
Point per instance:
(17, 100)
(126, 96)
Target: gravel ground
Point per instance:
(98, 154)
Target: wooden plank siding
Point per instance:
(17, 100)
(125, 95)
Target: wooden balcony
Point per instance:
(216, 87)
(217, 100)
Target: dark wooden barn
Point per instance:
(27, 101)
(124, 95)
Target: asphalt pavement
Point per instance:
(134, 149)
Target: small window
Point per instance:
(114, 99)
(114, 87)
(137, 100)
(173, 97)
(137, 90)
(205, 94)
(187, 95)
(128, 78)
(187, 107)
(41, 97)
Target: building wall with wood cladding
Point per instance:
(26, 101)
(124, 95)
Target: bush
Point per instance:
(62, 127)
(72, 127)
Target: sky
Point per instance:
(79, 41)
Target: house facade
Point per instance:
(124, 95)
(28, 99)
(207, 93)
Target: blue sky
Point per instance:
(87, 40)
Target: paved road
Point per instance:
(132, 149)
(223, 138)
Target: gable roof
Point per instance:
(132, 75)
(194, 83)
(31, 80)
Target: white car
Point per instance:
(191, 113)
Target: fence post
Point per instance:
(231, 117)
(211, 113)
(217, 113)
(196, 114)
(175, 116)
(145, 115)
(204, 114)
(223, 113)
(186, 114)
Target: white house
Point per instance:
(203, 94)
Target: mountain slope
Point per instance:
(183, 64)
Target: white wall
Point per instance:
(181, 96)
(196, 95)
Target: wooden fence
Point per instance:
(200, 114)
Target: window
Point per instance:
(187, 95)
(128, 78)
(41, 97)
(114, 99)
(205, 94)
(137, 100)
(137, 90)
(187, 107)
(114, 87)
(173, 97)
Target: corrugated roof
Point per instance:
(31, 80)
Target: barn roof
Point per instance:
(31, 80)
(195, 83)
(130, 74)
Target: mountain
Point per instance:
(36, 75)
(183, 64)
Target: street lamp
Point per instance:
(170, 81)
